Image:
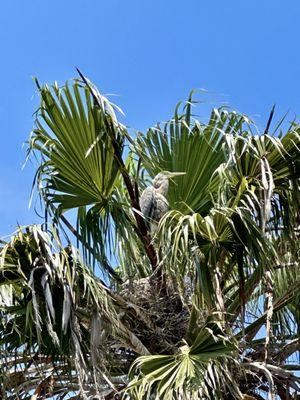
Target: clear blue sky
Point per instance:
(151, 53)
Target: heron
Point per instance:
(153, 202)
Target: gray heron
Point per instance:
(153, 200)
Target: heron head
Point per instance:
(164, 176)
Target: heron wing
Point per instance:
(147, 202)
(162, 207)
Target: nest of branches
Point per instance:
(165, 316)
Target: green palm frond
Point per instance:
(50, 304)
(78, 166)
(198, 371)
(186, 145)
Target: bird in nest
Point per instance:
(153, 202)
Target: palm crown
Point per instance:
(207, 307)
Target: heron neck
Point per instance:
(163, 188)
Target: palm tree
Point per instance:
(207, 307)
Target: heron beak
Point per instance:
(171, 175)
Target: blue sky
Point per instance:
(150, 53)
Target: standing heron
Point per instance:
(153, 202)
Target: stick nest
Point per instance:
(165, 316)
